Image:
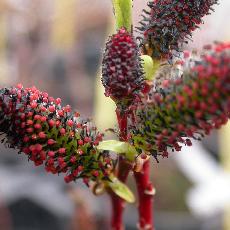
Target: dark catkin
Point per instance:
(186, 108)
(38, 126)
(170, 23)
(122, 74)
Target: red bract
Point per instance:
(45, 136)
(188, 107)
(170, 23)
(122, 74)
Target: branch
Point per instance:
(145, 194)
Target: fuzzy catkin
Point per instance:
(122, 74)
(170, 23)
(186, 108)
(50, 134)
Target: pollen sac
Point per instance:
(186, 108)
(170, 23)
(122, 74)
(62, 141)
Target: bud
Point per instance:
(122, 74)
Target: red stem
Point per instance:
(117, 211)
(145, 195)
(144, 186)
(118, 204)
(122, 117)
(123, 171)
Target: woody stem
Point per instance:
(145, 197)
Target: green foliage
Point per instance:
(150, 67)
(119, 147)
(121, 190)
(123, 13)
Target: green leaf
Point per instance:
(121, 190)
(150, 67)
(119, 147)
(123, 13)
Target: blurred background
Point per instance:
(57, 46)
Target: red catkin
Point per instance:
(32, 123)
(122, 74)
(170, 23)
(189, 110)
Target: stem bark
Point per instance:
(145, 197)
(123, 170)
